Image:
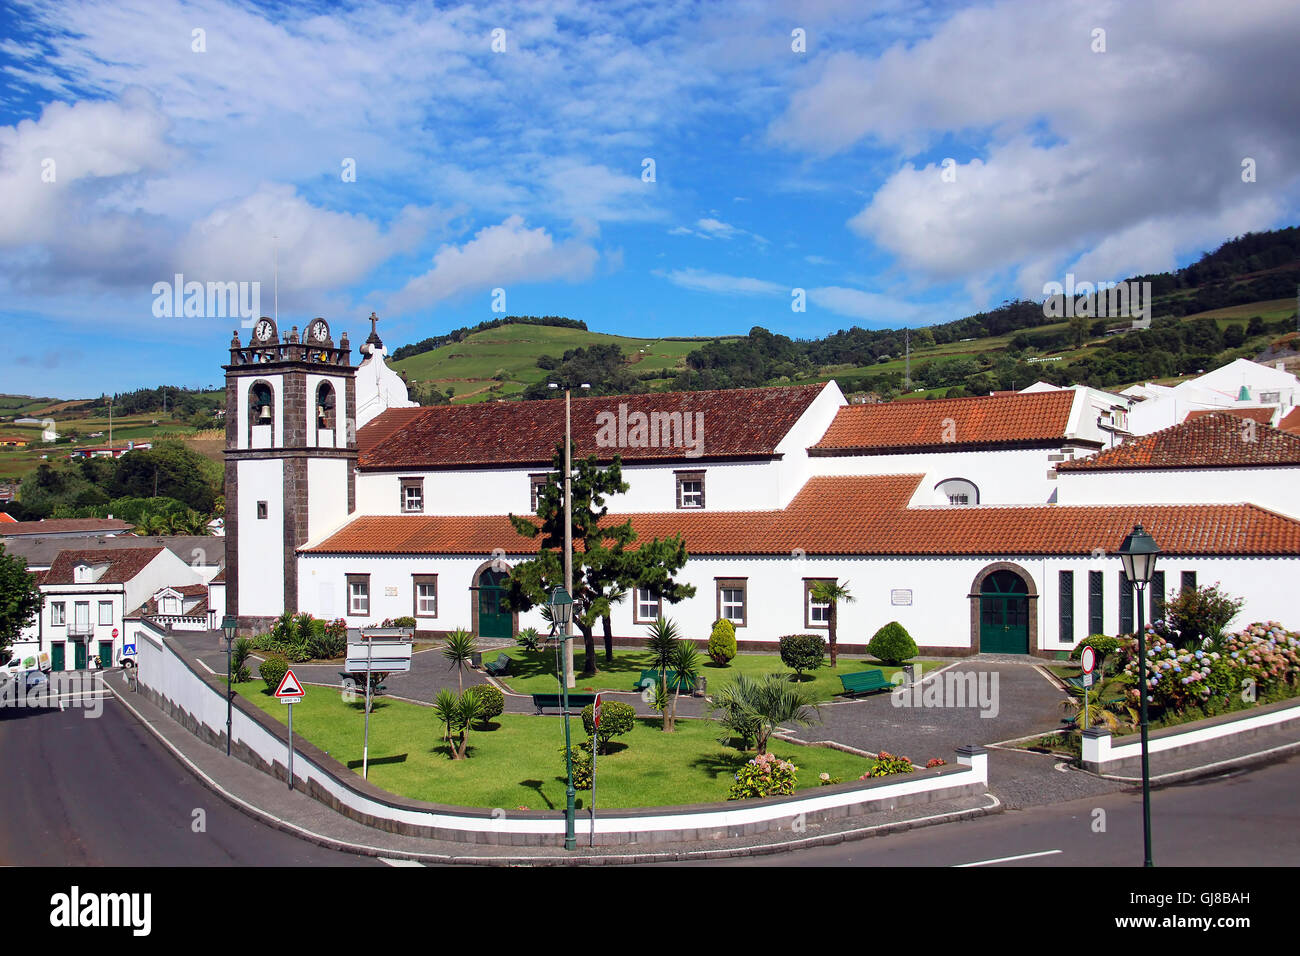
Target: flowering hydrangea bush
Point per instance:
(886, 764)
(1265, 654)
(765, 776)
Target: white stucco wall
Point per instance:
(327, 492)
(261, 541)
(1017, 476)
(1272, 488)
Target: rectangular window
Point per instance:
(535, 485)
(1096, 621)
(412, 495)
(1189, 580)
(690, 489)
(1065, 606)
(261, 509)
(731, 600)
(648, 607)
(58, 614)
(815, 613)
(1125, 604)
(105, 612)
(426, 594)
(358, 594)
(1157, 587)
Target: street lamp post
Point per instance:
(561, 612)
(569, 680)
(1138, 553)
(229, 625)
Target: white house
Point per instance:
(1239, 384)
(949, 516)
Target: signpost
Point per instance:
(395, 645)
(1089, 660)
(595, 745)
(290, 692)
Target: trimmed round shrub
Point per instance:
(494, 702)
(892, 644)
(1103, 645)
(272, 671)
(722, 642)
(803, 652)
(616, 718)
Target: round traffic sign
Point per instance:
(1089, 660)
(115, 632)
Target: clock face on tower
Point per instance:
(264, 330)
(318, 331)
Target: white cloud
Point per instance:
(699, 280)
(497, 256)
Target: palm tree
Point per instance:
(686, 671)
(662, 643)
(460, 649)
(458, 714)
(832, 593)
(753, 708)
(1114, 715)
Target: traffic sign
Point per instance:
(128, 650)
(289, 688)
(1089, 660)
(115, 632)
(595, 713)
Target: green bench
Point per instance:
(499, 667)
(865, 682)
(556, 701)
(650, 678)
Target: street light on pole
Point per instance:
(1138, 553)
(561, 612)
(568, 524)
(229, 626)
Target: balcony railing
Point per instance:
(81, 630)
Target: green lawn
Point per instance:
(518, 762)
(534, 671)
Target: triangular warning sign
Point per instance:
(289, 686)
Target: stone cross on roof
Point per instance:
(374, 333)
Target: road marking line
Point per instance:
(1007, 859)
(392, 862)
(205, 666)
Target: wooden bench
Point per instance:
(499, 667)
(650, 678)
(556, 701)
(865, 682)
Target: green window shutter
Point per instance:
(1157, 595)
(1065, 598)
(1096, 623)
(1125, 604)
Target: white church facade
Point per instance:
(976, 523)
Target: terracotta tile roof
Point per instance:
(220, 578)
(1262, 415)
(1218, 440)
(1020, 419)
(866, 516)
(123, 564)
(65, 526)
(744, 423)
(1291, 421)
(198, 609)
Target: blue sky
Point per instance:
(139, 139)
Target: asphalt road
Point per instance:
(105, 792)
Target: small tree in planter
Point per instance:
(803, 652)
(892, 644)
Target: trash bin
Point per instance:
(476, 660)
(909, 674)
(701, 685)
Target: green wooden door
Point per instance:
(1004, 614)
(493, 618)
(105, 654)
(57, 661)
(79, 655)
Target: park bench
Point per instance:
(499, 667)
(556, 701)
(865, 682)
(651, 677)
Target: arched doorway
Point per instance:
(491, 617)
(1004, 613)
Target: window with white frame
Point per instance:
(816, 613)
(105, 612)
(690, 489)
(58, 614)
(412, 494)
(426, 594)
(169, 604)
(732, 603)
(358, 594)
(648, 607)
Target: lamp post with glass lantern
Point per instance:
(229, 626)
(1138, 553)
(568, 521)
(561, 606)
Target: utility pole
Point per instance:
(569, 680)
(907, 352)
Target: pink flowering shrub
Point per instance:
(886, 764)
(767, 775)
(935, 762)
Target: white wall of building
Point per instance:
(1018, 476)
(327, 489)
(1271, 488)
(261, 541)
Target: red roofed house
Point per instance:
(947, 516)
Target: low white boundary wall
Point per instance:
(1102, 755)
(171, 680)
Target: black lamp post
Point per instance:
(229, 626)
(561, 612)
(1138, 552)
